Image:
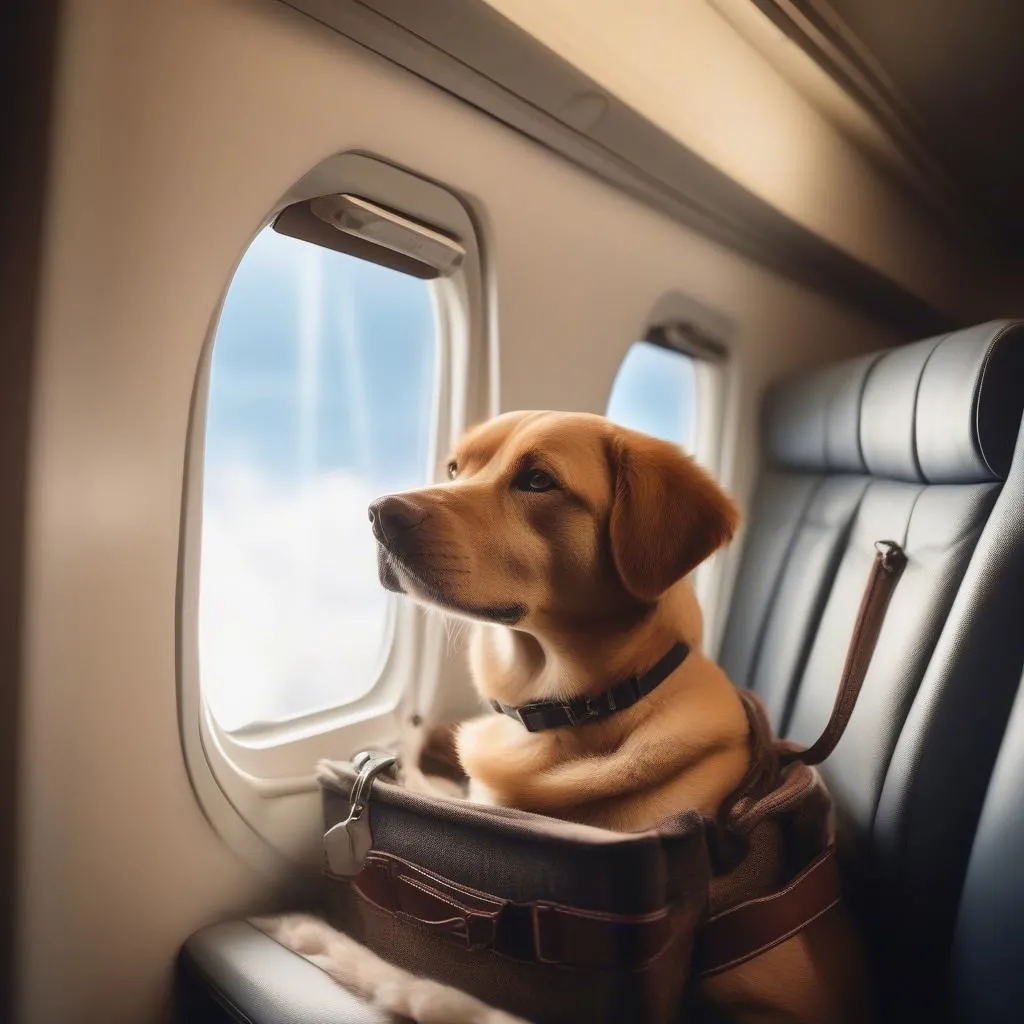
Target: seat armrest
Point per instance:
(232, 972)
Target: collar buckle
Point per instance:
(530, 716)
(578, 715)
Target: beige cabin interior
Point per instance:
(726, 165)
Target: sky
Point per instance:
(320, 400)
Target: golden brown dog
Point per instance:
(569, 542)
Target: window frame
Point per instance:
(710, 359)
(244, 745)
(240, 777)
(654, 341)
(682, 325)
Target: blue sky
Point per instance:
(654, 392)
(372, 364)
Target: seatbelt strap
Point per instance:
(748, 929)
(890, 561)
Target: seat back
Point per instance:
(808, 494)
(988, 982)
(914, 445)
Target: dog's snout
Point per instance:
(392, 516)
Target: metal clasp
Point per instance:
(348, 842)
(891, 553)
(578, 717)
(369, 764)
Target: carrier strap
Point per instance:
(537, 931)
(752, 928)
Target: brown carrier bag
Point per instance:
(554, 921)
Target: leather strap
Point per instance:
(886, 570)
(542, 932)
(554, 714)
(749, 929)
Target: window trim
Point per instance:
(681, 324)
(257, 786)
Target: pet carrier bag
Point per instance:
(555, 921)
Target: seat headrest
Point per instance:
(812, 421)
(946, 410)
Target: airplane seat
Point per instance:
(231, 973)
(919, 445)
(812, 481)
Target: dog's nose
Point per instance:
(392, 516)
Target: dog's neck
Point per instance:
(559, 661)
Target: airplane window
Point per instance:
(320, 399)
(655, 391)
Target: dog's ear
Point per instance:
(667, 515)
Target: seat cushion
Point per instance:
(232, 972)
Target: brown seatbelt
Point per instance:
(748, 929)
(886, 570)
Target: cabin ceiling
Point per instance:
(946, 74)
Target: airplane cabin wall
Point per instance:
(179, 123)
(685, 68)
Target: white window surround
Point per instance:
(711, 378)
(682, 324)
(256, 786)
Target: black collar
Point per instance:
(550, 714)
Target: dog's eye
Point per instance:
(453, 469)
(534, 480)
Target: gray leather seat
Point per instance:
(916, 445)
(919, 445)
(231, 972)
(988, 982)
(812, 484)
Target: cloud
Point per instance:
(292, 617)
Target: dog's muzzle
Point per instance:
(393, 518)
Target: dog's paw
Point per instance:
(478, 793)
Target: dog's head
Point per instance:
(552, 519)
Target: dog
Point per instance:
(569, 542)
